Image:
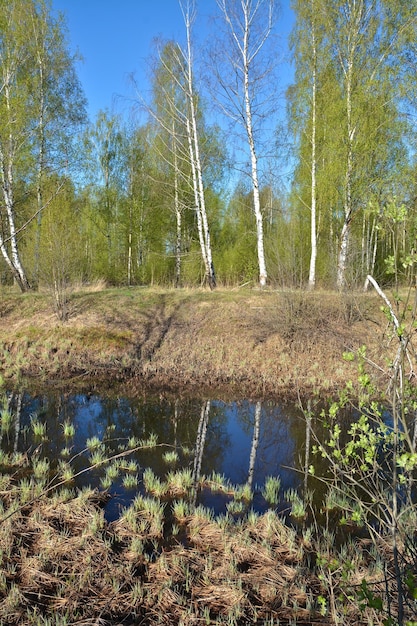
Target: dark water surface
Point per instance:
(244, 441)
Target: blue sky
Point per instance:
(115, 38)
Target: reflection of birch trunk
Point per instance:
(16, 414)
(255, 443)
(200, 442)
(308, 441)
(17, 421)
(175, 422)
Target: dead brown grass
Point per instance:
(263, 343)
(62, 561)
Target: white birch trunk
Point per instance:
(197, 201)
(177, 207)
(350, 133)
(313, 226)
(192, 129)
(7, 183)
(246, 5)
(178, 217)
(129, 248)
(41, 161)
(12, 259)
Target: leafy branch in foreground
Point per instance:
(372, 461)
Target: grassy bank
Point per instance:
(233, 342)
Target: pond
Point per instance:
(239, 443)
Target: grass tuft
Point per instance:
(271, 490)
(38, 428)
(171, 457)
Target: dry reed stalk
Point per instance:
(253, 555)
(66, 561)
(170, 602)
(34, 578)
(205, 534)
(221, 599)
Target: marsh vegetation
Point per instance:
(161, 556)
(144, 519)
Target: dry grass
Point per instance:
(263, 343)
(62, 563)
(62, 560)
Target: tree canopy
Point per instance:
(184, 197)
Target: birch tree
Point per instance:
(175, 109)
(189, 14)
(355, 24)
(168, 111)
(58, 105)
(241, 72)
(145, 225)
(106, 152)
(14, 54)
(346, 112)
(305, 41)
(313, 257)
(35, 88)
(365, 50)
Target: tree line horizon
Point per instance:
(180, 200)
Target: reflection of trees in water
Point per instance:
(174, 420)
(255, 443)
(17, 420)
(245, 441)
(9, 437)
(200, 441)
(12, 406)
(309, 428)
(308, 418)
(273, 447)
(217, 438)
(175, 423)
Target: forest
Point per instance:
(194, 193)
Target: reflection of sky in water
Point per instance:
(87, 412)
(227, 445)
(276, 447)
